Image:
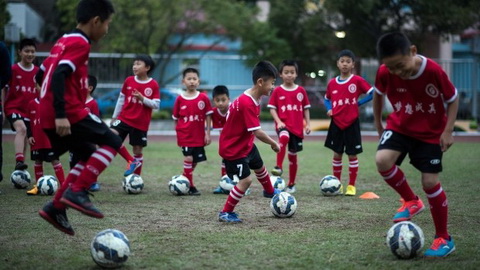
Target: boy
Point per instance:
(20, 92)
(132, 115)
(420, 126)
(236, 140)
(190, 112)
(344, 130)
(289, 106)
(63, 116)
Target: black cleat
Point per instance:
(81, 202)
(56, 217)
(20, 166)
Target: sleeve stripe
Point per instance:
(453, 97)
(254, 128)
(271, 106)
(378, 91)
(68, 62)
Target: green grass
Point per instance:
(168, 232)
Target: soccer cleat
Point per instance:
(441, 247)
(228, 217)
(131, 167)
(351, 190)
(408, 210)
(194, 191)
(94, 187)
(81, 202)
(56, 217)
(290, 189)
(21, 166)
(220, 190)
(270, 195)
(33, 191)
(277, 171)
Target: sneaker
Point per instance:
(94, 187)
(228, 217)
(408, 210)
(194, 191)
(277, 171)
(131, 167)
(33, 191)
(81, 202)
(21, 166)
(56, 217)
(441, 247)
(351, 190)
(270, 195)
(220, 190)
(290, 189)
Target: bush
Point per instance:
(161, 115)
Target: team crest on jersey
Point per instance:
(352, 88)
(201, 105)
(148, 91)
(300, 97)
(431, 90)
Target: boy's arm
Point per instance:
(366, 98)
(306, 116)
(277, 120)
(262, 136)
(377, 112)
(118, 106)
(446, 139)
(154, 104)
(62, 125)
(208, 121)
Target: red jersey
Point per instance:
(21, 89)
(344, 97)
(218, 119)
(290, 104)
(41, 139)
(91, 106)
(418, 102)
(134, 112)
(236, 139)
(190, 114)
(71, 49)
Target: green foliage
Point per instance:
(4, 18)
(162, 115)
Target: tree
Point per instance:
(4, 18)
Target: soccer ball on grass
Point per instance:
(283, 205)
(20, 179)
(405, 239)
(133, 184)
(227, 184)
(110, 248)
(278, 182)
(47, 185)
(330, 186)
(179, 185)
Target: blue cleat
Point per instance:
(94, 187)
(132, 166)
(441, 247)
(220, 190)
(270, 195)
(228, 217)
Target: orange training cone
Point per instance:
(369, 195)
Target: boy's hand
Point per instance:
(275, 147)
(329, 113)
(446, 140)
(208, 140)
(280, 125)
(138, 95)
(31, 141)
(62, 127)
(307, 129)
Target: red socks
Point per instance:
(264, 179)
(352, 170)
(337, 168)
(95, 165)
(232, 200)
(396, 179)
(439, 209)
(284, 137)
(140, 159)
(188, 171)
(293, 167)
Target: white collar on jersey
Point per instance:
(24, 68)
(190, 98)
(337, 79)
(421, 69)
(142, 82)
(257, 102)
(293, 88)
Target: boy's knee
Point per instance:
(188, 158)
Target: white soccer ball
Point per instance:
(133, 184)
(283, 205)
(227, 183)
(47, 185)
(179, 185)
(278, 182)
(405, 239)
(330, 186)
(110, 248)
(20, 179)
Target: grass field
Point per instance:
(168, 232)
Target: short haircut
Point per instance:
(346, 53)
(288, 63)
(393, 43)
(220, 90)
(88, 9)
(27, 42)
(190, 70)
(147, 59)
(92, 81)
(264, 70)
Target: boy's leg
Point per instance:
(292, 168)
(38, 169)
(241, 168)
(283, 138)
(19, 143)
(352, 172)
(58, 169)
(188, 169)
(337, 165)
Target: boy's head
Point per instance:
(397, 53)
(191, 78)
(92, 83)
(221, 97)
(190, 70)
(345, 61)
(26, 50)
(288, 71)
(96, 12)
(264, 70)
(143, 64)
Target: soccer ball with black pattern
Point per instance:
(283, 205)
(330, 186)
(110, 248)
(227, 184)
(405, 239)
(47, 185)
(133, 184)
(20, 179)
(278, 182)
(179, 185)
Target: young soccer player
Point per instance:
(140, 95)
(221, 100)
(65, 120)
(425, 105)
(191, 111)
(289, 106)
(20, 92)
(342, 104)
(236, 140)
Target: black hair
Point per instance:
(190, 70)
(393, 43)
(346, 53)
(92, 81)
(220, 90)
(27, 42)
(288, 63)
(147, 59)
(88, 9)
(264, 70)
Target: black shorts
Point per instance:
(137, 136)
(348, 140)
(85, 135)
(242, 166)
(425, 157)
(295, 143)
(198, 153)
(17, 117)
(46, 155)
